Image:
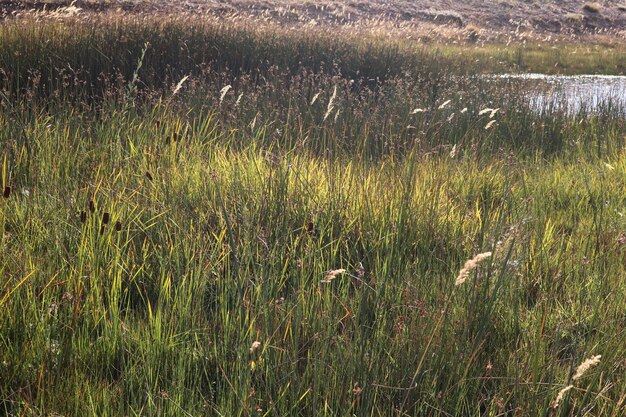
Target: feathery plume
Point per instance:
(255, 346)
(337, 114)
(223, 92)
(470, 265)
(331, 104)
(332, 274)
(560, 395)
(585, 366)
(453, 151)
(444, 104)
(490, 125)
(180, 85)
(418, 110)
(315, 98)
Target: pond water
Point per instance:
(589, 93)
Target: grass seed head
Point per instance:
(585, 366)
(255, 346)
(560, 395)
(444, 104)
(332, 274)
(469, 266)
(223, 92)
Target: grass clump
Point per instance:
(592, 7)
(253, 233)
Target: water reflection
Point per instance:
(588, 93)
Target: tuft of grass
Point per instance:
(592, 7)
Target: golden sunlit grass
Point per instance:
(176, 191)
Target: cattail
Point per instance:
(585, 366)
(148, 176)
(560, 395)
(470, 266)
(118, 226)
(83, 216)
(7, 192)
(92, 206)
(332, 274)
(490, 125)
(105, 218)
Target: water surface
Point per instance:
(588, 93)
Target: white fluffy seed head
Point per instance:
(560, 395)
(470, 265)
(586, 365)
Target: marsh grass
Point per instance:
(265, 254)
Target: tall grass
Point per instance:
(253, 251)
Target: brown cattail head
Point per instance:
(83, 216)
(105, 218)
(118, 226)
(149, 176)
(7, 192)
(92, 206)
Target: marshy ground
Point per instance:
(204, 217)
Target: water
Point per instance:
(588, 93)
